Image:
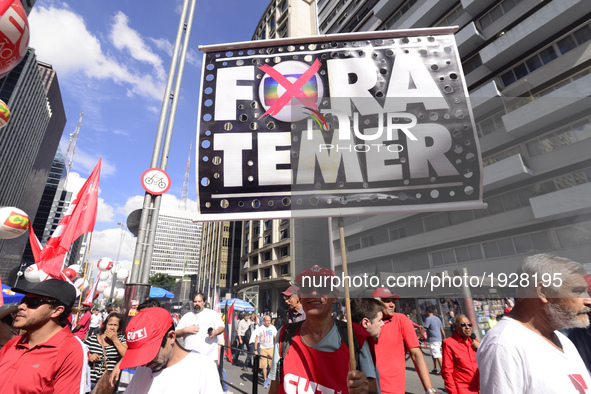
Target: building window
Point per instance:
(546, 55)
(284, 269)
(284, 251)
(267, 272)
(367, 241)
(245, 278)
(267, 240)
(284, 234)
(268, 224)
(494, 14)
(255, 275)
(267, 256)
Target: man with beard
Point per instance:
(48, 358)
(396, 336)
(163, 366)
(581, 337)
(524, 353)
(201, 328)
(460, 370)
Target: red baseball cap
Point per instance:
(291, 290)
(144, 335)
(384, 292)
(316, 270)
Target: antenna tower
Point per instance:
(185, 189)
(72, 148)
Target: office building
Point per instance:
(527, 69)
(219, 264)
(28, 143)
(177, 244)
(527, 66)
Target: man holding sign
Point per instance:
(315, 352)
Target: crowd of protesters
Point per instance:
(305, 348)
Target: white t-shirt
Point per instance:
(201, 342)
(266, 336)
(194, 374)
(95, 320)
(514, 359)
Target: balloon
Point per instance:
(122, 274)
(4, 114)
(33, 274)
(120, 294)
(107, 292)
(14, 35)
(76, 268)
(13, 221)
(102, 285)
(70, 273)
(104, 275)
(119, 285)
(105, 264)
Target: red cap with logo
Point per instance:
(144, 335)
(291, 290)
(316, 270)
(384, 292)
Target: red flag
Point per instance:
(90, 295)
(79, 219)
(36, 246)
(228, 332)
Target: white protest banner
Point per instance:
(348, 124)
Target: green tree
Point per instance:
(164, 281)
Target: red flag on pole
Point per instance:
(228, 332)
(79, 219)
(90, 295)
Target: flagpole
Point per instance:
(347, 298)
(84, 277)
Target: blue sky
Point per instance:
(112, 59)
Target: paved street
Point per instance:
(243, 379)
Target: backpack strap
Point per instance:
(342, 329)
(288, 331)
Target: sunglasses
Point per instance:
(466, 324)
(34, 303)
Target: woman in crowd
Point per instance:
(114, 345)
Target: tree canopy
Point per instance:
(163, 280)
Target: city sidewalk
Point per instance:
(243, 379)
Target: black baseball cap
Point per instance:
(58, 289)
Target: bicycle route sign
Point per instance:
(155, 181)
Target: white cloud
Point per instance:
(104, 212)
(54, 43)
(124, 37)
(193, 58)
(106, 243)
(168, 201)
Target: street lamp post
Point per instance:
(115, 268)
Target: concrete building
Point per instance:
(527, 68)
(177, 242)
(220, 258)
(28, 143)
(286, 18)
(527, 65)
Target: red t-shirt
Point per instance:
(307, 369)
(460, 370)
(56, 366)
(84, 324)
(396, 335)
